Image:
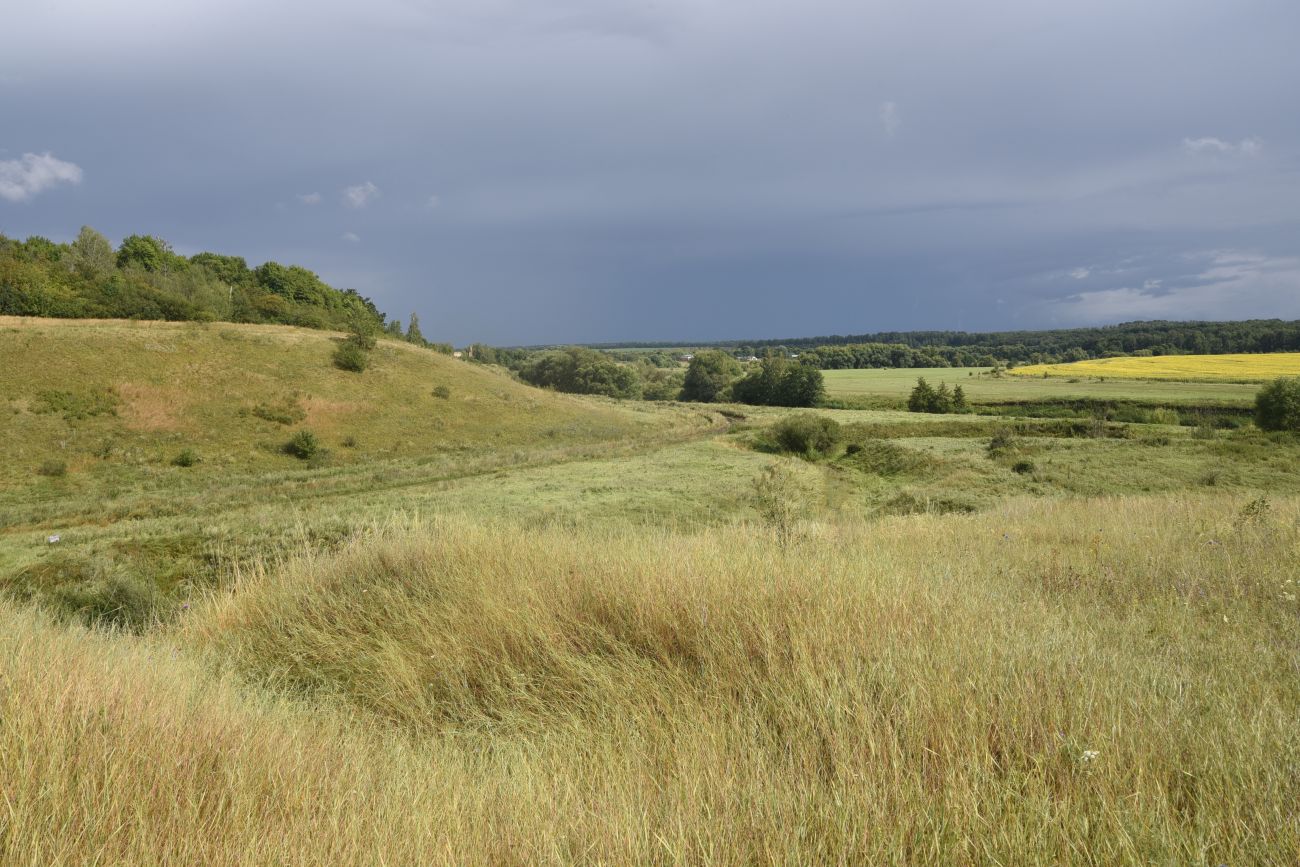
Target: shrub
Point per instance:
(94, 592)
(1002, 441)
(350, 442)
(351, 355)
(75, 406)
(1023, 467)
(53, 469)
(303, 445)
(186, 458)
(886, 458)
(1277, 405)
(442, 392)
(320, 458)
(286, 413)
(777, 497)
(807, 434)
(910, 503)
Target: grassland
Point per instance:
(584, 641)
(100, 395)
(893, 386)
(1242, 367)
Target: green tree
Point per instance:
(927, 398)
(922, 396)
(90, 255)
(1277, 405)
(413, 334)
(801, 385)
(578, 370)
(231, 270)
(709, 376)
(147, 253)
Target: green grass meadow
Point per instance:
(895, 384)
(507, 626)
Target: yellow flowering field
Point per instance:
(1240, 367)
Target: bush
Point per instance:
(187, 458)
(885, 458)
(1002, 441)
(926, 398)
(1277, 405)
(92, 592)
(807, 434)
(351, 355)
(53, 469)
(303, 446)
(1023, 467)
(777, 499)
(286, 413)
(350, 442)
(442, 392)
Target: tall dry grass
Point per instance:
(1102, 682)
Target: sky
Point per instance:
(550, 171)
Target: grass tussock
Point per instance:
(1044, 684)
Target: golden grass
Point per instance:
(189, 385)
(1093, 682)
(1242, 367)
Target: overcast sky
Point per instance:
(530, 171)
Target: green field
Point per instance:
(506, 626)
(894, 384)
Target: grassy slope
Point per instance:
(896, 384)
(162, 387)
(1104, 682)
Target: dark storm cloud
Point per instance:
(592, 169)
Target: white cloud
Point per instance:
(1248, 147)
(351, 237)
(23, 178)
(360, 195)
(889, 118)
(310, 198)
(1231, 284)
(1080, 273)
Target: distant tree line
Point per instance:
(910, 349)
(144, 278)
(712, 376)
(968, 349)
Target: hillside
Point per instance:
(99, 396)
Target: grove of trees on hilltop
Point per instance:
(144, 278)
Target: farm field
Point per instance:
(1242, 367)
(895, 384)
(507, 626)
